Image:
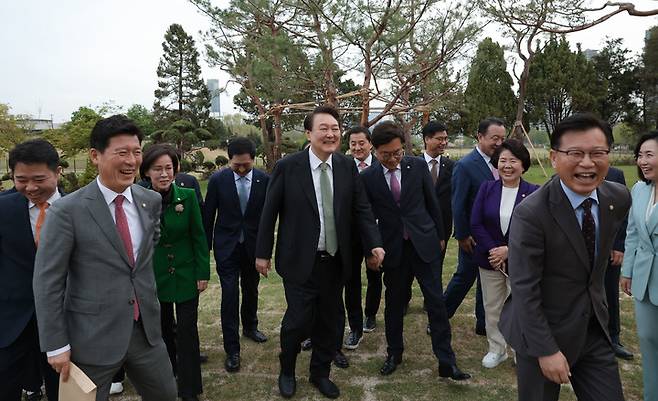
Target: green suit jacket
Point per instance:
(181, 257)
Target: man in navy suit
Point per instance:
(468, 173)
(404, 203)
(36, 170)
(612, 274)
(236, 196)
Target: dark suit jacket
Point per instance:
(469, 172)
(8, 192)
(555, 294)
(222, 200)
(17, 252)
(443, 190)
(184, 180)
(485, 218)
(616, 175)
(291, 198)
(418, 212)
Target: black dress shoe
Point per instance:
(232, 362)
(256, 335)
(287, 385)
(192, 398)
(390, 365)
(453, 372)
(203, 358)
(480, 330)
(370, 324)
(428, 330)
(35, 396)
(306, 344)
(325, 386)
(621, 352)
(340, 360)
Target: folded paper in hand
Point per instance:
(78, 387)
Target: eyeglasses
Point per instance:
(577, 155)
(389, 155)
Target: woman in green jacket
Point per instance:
(182, 267)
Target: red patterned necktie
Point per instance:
(124, 233)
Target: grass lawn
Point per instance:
(417, 377)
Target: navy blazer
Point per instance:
(467, 176)
(485, 219)
(418, 211)
(616, 175)
(222, 201)
(17, 251)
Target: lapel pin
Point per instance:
(178, 199)
(143, 204)
(523, 195)
(257, 180)
(612, 207)
(182, 184)
(408, 166)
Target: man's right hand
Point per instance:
(625, 284)
(467, 244)
(61, 363)
(263, 266)
(555, 368)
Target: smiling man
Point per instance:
(559, 245)
(94, 286)
(317, 196)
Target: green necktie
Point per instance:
(330, 241)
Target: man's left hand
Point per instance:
(379, 254)
(616, 258)
(201, 285)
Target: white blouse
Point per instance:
(506, 206)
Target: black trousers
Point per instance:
(238, 271)
(429, 278)
(312, 310)
(181, 337)
(410, 278)
(352, 299)
(594, 376)
(18, 362)
(460, 284)
(611, 283)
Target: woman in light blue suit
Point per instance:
(640, 267)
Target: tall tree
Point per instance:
(489, 89)
(181, 93)
(142, 117)
(561, 82)
(648, 74)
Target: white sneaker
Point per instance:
(491, 360)
(116, 388)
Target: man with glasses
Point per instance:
(560, 242)
(403, 200)
(468, 174)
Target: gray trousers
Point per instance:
(148, 368)
(594, 376)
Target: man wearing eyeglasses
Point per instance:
(560, 242)
(403, 201)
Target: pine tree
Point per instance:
(489, 89)
(181, 93)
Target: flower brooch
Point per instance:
(179, 208)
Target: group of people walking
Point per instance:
(109, 276)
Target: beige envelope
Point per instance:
(78, 387)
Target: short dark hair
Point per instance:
(34, 151)
(432, 128)
(358, 130)
(240, 146)
(153, 153)
(107, 128)
(580, 122)
(488, 122)
(385, 132)
(324, 109)
(646, 137)
(517, 148)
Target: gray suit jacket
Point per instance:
(84, 285)
(555, 294)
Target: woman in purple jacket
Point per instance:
(490, 220)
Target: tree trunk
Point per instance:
(262, 119)
(276, 149)
(520, 105)
(180, 87)
(365, 92)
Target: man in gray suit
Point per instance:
(94, 286)
(560, 241)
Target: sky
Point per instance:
(59, 55)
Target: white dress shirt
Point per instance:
(507, 199)
(248, 177)
(367, 161)
(34, 211)
(134, 223)
(315, 173)
(398, 175)
(428, 160)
